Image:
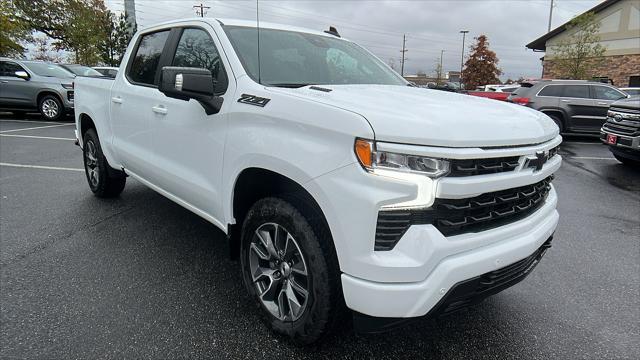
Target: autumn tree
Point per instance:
(114, 44)
(576, 55)
(74, 25)
(43, 50)
(482, 66)
(13, 31)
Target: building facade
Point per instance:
(619, 34)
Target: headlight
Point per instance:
(68, 86)
(371, 159)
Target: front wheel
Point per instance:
(290, 270)
(51, 108)
(104, 181)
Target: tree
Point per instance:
(43, 50)
(114, 44)
(74, 25)
(437, 70)
(392, 64)
(575, 56)
(13, 31)
(481, 68)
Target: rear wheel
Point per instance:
(104, 181)
(50, 107)
(290, 270)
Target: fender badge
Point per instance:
(253, 100)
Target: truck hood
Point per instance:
(430, 117)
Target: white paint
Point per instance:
(35, 128)
(40, 167)
(592, 158)
(37, 137)
(31, 121)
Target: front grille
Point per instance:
(459, 216)
(470, 167)
(625, 110)
(623, 127)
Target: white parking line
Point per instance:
(37, 137)
(35, 128)
(31, 121)
(40, 167)
(591, 158)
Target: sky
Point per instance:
(430, 25)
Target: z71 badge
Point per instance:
(253, 100)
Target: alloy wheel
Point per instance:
(91, 163)
(50, 108)
(279, 272)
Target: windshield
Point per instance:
(293, 59)
(83, 70)
(49, 70)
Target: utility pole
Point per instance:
(202, 10)
(441, 70)
(464, 34)
(130, 15)
(550, 16)
(403, 51)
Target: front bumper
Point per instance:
(413, 299)
(463, 294)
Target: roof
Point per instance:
(541, 42)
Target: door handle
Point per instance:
(159, 109)
(4, 81)
(603, 103)
(116, 100)
(563, 100)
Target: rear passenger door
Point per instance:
(14, 91)
(188, 143)
(577, 103)
(132, 100)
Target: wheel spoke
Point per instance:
(262, 272)
(297, 288)
(299, 268)
(292, 300)
(261, 254)
(265, 238)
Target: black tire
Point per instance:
(627, 161)
(323, 306)
(51, 108)
(558, 122)
(104, 181)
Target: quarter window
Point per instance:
(607, 93)
(196, 49)
(145, 63)
(576, 91)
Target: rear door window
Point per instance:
(607, 93)
(576, 91)
(551, 90)
(147, 57)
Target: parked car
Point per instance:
(81, 70)
(575, 106)
(35, 85)
(107, 70)
(505, 88)
(621, 132)
(496, 95)
(335, 182)
(631, 91)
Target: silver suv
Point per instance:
(35, 85)
(576, 106)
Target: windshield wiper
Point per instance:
(289, 85)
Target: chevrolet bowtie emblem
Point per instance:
(540, 160)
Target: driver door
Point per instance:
(188, 143)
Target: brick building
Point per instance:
(619, 34)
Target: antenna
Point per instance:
(258, 29)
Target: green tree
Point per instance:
(118, 36)
(74, 25)
(575, 56)
(481, 68)
(13, 31)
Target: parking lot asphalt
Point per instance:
(139, 276)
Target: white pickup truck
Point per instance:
(339, 185)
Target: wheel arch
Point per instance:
(46, 92)
(254, 183)
(559, 113)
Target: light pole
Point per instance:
(441, 71)
(464, 34)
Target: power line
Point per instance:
(203, 9)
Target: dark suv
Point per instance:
(622, 130)
(575, 106)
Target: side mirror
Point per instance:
(190, 83)
(22, 74)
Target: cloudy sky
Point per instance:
(430, 25)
